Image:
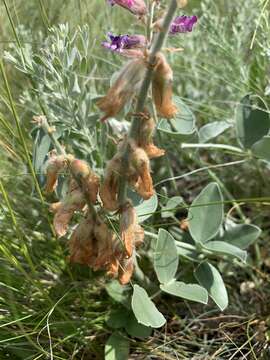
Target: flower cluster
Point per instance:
(136, 168)
(92, 242)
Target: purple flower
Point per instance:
(127, 45)
(182, 24)
(137, 7)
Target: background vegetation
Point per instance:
(49, 308)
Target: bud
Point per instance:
(136, 7)
(86, 177)
(126, 45)
(74, 201)
(54, 166)
(162, 88)
(125, 87)
(82, 246)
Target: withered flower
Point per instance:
(82, 244)
(104, 240)
(162, 88)
(87, 178)
(138, 172)
(124, 88)
(131, 232)
(145, 138)
(109, 188)
(74, 201)
(55, 164)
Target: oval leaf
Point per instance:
(117, 348)
(165, 257)
(209, 277)
(221, 247)
(191, 292)
(252, 122)
(146, 208)
(206, 214)
(169, 209)
(145, 310)
(241, 235)
(134, 329)
(212, 130)
(262, 148)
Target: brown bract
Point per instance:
(124, 88)
(162, 88)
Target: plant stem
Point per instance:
(136, 122)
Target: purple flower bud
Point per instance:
(137, 7)
(182, 24)
(126, 44)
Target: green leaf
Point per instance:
(212, 130)
(118, 292)
(168, 209)
(261, 148)
(183, 126)
(145, 310)
(41, 151)
(165, 257)
(206, 214)
(146, 208)
(117, 348)
(209, 277)
(252, 120)
(191, 292)
(221, 247)
(118, 319)
(241, 235)
(134, 329)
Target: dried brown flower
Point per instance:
(109, 188)
(88, 180)
(124, 88)
(130, 232)
(138, 172)
(162, 88)
(73, 201)
(145, 138)
(55, 164)
(82, 244)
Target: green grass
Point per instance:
(50, 309)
